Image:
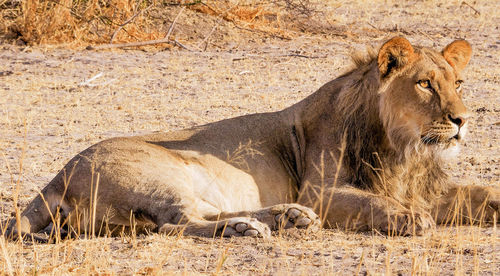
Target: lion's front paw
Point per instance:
(406, 223)
(295, 215)
(477, 204)
(490, 204)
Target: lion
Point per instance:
(364, 152)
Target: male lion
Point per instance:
(363, 152)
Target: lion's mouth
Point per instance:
(434, 140)
(439, 134)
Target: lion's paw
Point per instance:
(295, 215)
(407, 223)
(242, 226)
(486, 203)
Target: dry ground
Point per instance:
(49, 111)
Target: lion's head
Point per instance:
(401, 110)
(421, 94)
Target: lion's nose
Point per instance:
(458, 120)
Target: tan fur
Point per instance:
(363, 152)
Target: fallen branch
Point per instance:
(138, 44)
(277, 56)
(177, 43)
(301, 56)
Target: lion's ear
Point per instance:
(458, 54)
(394, 55)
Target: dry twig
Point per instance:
(373, 26)
(171, 28)
(137, 44)
(128, 21)
(209, 34)
(470, 6)
(277, 56)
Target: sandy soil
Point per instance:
(56, 102)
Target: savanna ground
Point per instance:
(57, 99)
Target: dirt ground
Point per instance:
(55, 102)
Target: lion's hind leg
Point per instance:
(231, 227)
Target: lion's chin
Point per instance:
(451, 150)
(447, 149)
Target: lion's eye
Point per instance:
(458, 84)
(425, 84)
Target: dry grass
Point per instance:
(50, 111)
(75, 22)
(83, 22)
